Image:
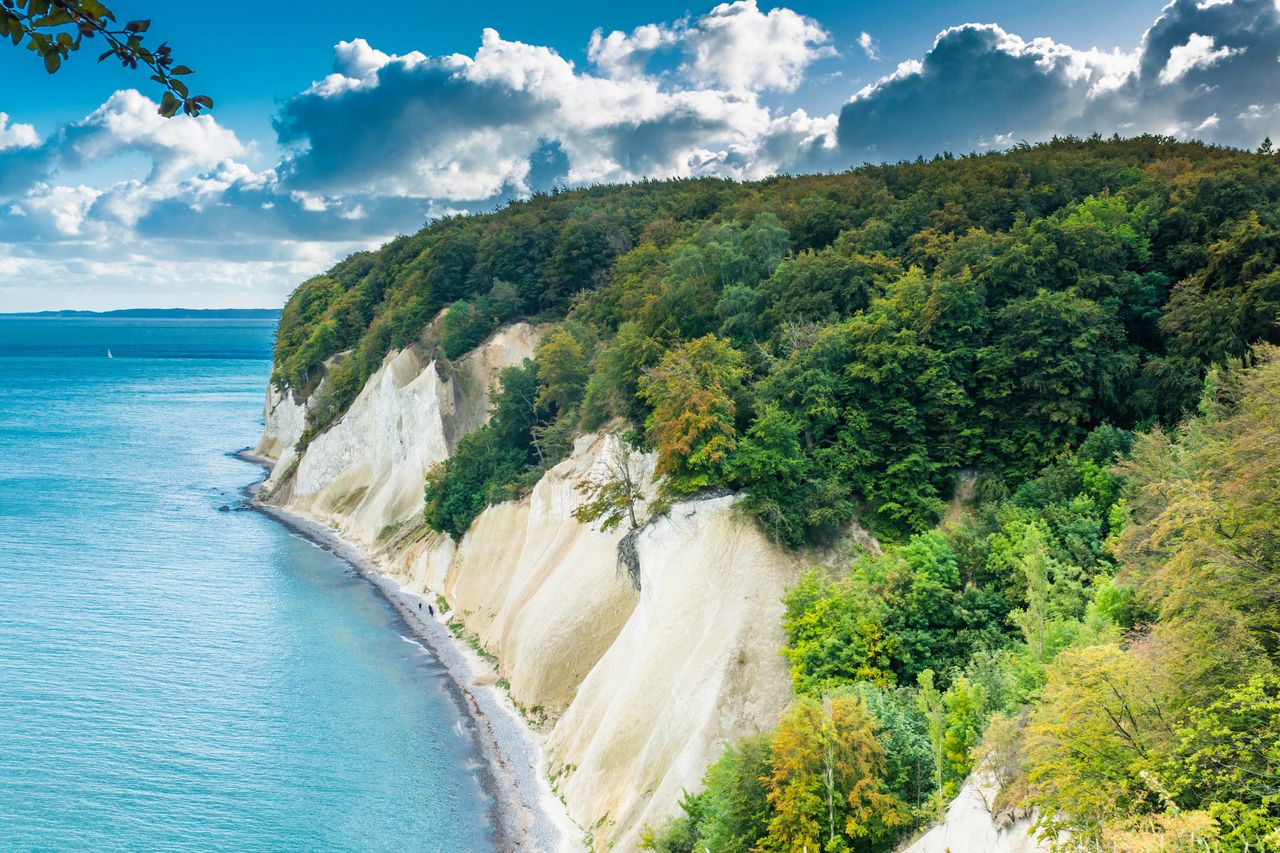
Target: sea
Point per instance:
(176, 672)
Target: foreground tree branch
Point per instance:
(54, 29)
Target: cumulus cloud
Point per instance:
(199, 228)
(385, 141)
(622, 54)
(1198, 52)
(128, 121)
(1204, 69)
(14, 135)
(976, 83)
(738, 46)
(468, 128)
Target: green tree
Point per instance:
(491, 463)
(1094, 740)
(1216, 314)
(1226, 760)
(1058, 365)
(613, 489)
(966, 705)
(735, 808)
(562, 371)
(694, 391)
(835, 635)
(935, 714)
(464, 327)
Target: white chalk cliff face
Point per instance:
(971, 825)
(641, 689)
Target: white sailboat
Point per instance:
(109, 354)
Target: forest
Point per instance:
(1042, 379)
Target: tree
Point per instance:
(489, 463)
(827, 789)
(931, 706)
(1228, 759)
(735, 807)
(562, 371)
(1094, 739)
(54, 29)
(835, 635)
(693, 391)
(1058, 365)
(1205, 515)
(1033, 620)
(464, 326)
(965, 702)
(613, 488)
(1217, 313)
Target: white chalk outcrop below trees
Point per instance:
(640, 689)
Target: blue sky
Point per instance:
(336, 130)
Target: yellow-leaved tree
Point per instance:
(828, 790)
(694, 391)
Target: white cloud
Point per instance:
(1202, 69)
(622, 55)
(128, 121)
(868, 45)
(386, 140)
(517, 117)
(65, 208)
(1198, 52)
(16, 135)
(737, 46)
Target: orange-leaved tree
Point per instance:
(694, 391)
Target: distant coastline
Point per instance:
(155, 314)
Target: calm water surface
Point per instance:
(177, 677)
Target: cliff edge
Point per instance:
(635, 691)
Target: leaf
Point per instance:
(180, 69)
(55, 19)
(204, 100)
(169, 105)
(179, 87)
(95, 9)
(138, 26)
(111, 52)
(52, 61)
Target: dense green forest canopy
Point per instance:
(829, 345)
(1102, 644)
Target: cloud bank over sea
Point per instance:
(387, 141)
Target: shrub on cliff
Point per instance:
(491, 463)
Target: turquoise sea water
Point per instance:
(176, 677)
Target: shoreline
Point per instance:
(525, 813)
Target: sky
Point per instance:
(335, 130)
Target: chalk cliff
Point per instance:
(639, 689)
